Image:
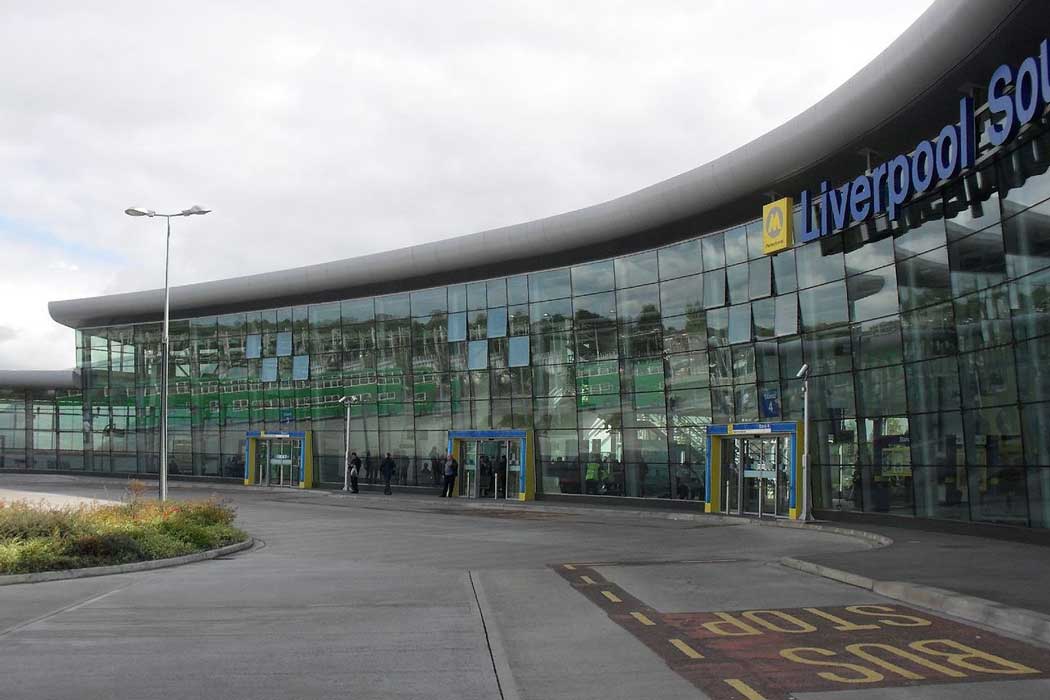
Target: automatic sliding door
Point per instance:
(731, 476)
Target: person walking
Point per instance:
(387, 470)
(451, 470)
(355, 471)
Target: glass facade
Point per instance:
(926, 337)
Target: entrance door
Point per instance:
(491, 468)
(513, 470)
(761, 455)
(755, 478)
(281, 460)
(732, 458)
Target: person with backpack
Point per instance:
(355, 471)
(387, 468)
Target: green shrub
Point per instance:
(35, 537)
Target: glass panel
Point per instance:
(718, 327)
(426, 302)
(301, 367)
(497, 322)
(924, 279)
(755, 243)
(877, 343)
(760, 283)
(634, 270)
(972, 203)
(457, 327)
(880, 392)
(687, 371)
(817, 267)
(552, 348)
(929, 332)
(252, 346)
(784, 279)
(998, 492)
(553, 284)
(1031, 305)
(740, 323)
(987, 377)
(862, 255)
(738, 283)
(823, 306)
(679, 260)
(284, 344)
(977, 261)
(517, 290)
(714, 289)
(592, 278)
(519, 351)
(682, 296)
(457, 298)
(920, 237)
(1027, 242)
(393, 306)
(714, 254)
(872, 294)
(828, 352)
(786, 315)
(476, 296)
(763, 318)
(496, 292)
(983, 319)
(268, 373)
(1024, 180)
(478, 355)
(551, 316)
(736, 245)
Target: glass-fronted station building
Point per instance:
(649, 347)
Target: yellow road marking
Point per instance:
(587, 579)
(570, 567)
(611, 596)
(642, 618)
(744, 689)
(686, 649)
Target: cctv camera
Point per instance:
(345, 399)
(802, 372)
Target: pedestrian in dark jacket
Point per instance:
(387, 470)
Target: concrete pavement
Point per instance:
(380, 597)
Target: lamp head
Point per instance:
(195, 209)
(802, 372)
(139, 211)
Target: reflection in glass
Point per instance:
(823, 306)
(681, 296)
(680, 260)
(592, 278)
(634, 270)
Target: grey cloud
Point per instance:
(330, 129)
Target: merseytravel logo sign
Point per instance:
(776, 226)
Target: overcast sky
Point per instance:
(325, 130)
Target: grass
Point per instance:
(37, 537)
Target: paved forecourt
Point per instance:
(375, 597)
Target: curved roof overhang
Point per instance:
(40, 379)
(907, 91)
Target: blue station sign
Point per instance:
(893, 183)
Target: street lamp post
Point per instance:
(346, 401)
(803, 374)
(139, 211)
